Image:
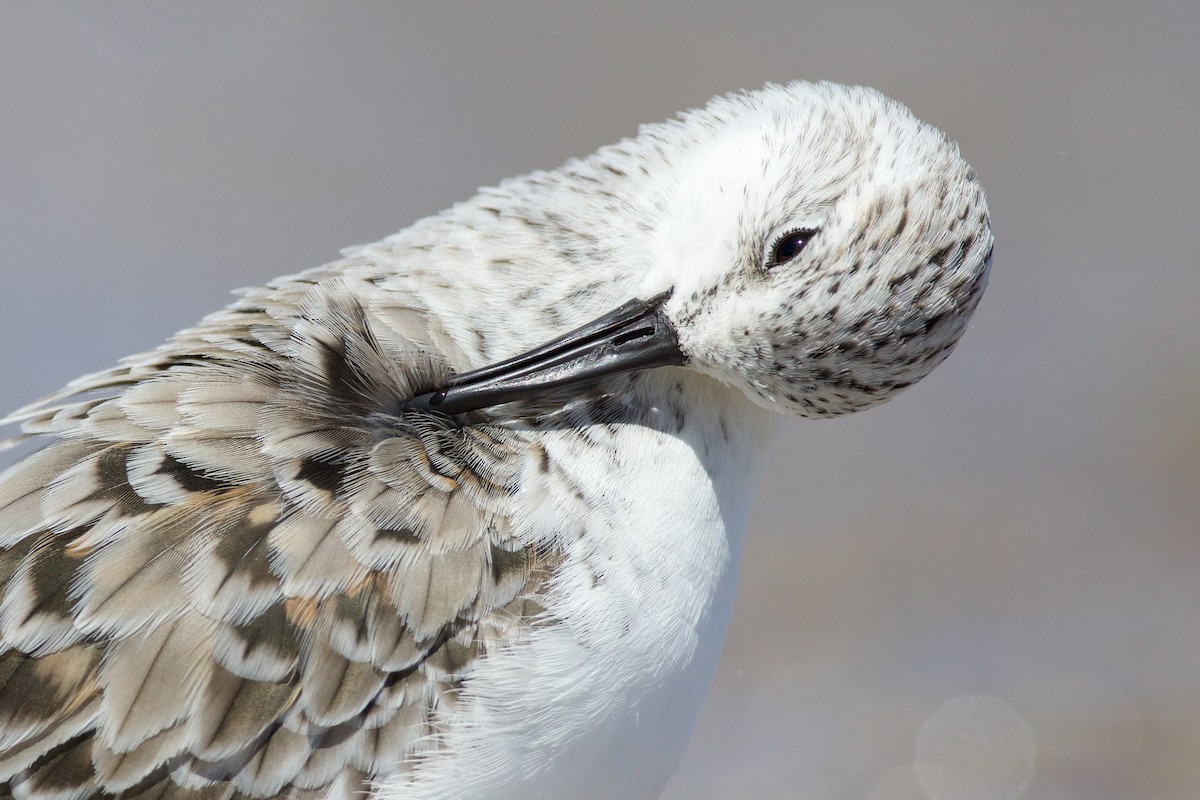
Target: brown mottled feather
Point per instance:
(240, 570)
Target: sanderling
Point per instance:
(373, 529)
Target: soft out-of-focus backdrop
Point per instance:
(989, 588)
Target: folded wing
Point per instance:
(239, 566)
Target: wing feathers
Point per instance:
(23, 486)
(244, 572)
(66, 773)
(235, 711)
(37, 690)
(151, 680)
(36, 614)
(118, 771)
(336, 688)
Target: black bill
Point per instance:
(637, 335)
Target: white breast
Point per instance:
(601, 704)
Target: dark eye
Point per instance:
(788, 246)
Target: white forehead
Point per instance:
(803, 138)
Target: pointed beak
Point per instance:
(637, 335)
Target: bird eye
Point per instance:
(788, 246)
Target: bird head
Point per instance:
(814, 245)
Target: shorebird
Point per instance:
(458, 515)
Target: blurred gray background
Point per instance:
(986, 589)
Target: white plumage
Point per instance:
(263, 561)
